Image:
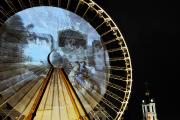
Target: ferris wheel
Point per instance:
(61, 60)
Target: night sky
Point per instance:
(151, 32)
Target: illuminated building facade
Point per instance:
(149, 108)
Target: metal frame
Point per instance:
(10, 7)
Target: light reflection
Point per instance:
(76, 44)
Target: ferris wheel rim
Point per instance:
(102, 13)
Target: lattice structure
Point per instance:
(110, 106)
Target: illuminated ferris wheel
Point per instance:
(61, 60)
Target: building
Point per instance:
(149, 107)
(98, 55)
(73, 45)
(72, 38)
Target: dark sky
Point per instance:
(151, 32)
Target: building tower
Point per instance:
(149, 107)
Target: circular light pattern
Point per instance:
(32, 42)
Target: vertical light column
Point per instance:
(39, 96)
(59, 101)
(77, 106)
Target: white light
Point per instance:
(143, 101)
(152, 100)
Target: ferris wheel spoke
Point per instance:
(14, 3)
(114, 96)
(30, 3)
(21, 4)
(104, 112)
(4, 13)
(99, 25)
(27, 101)
(106, 42)
(107, 102)
(99, 97)
(90, 5)
(15, 100)
(100, 14)
(118, 59)
(1, 21)
(111, 30)
(10, 91)
(28, 108)
(85, 12)
(120, 78)
(15, 80)
(5, 66)
(95, 117)
(33, 3)
(93, 102)
(11, 6)
(14, 94)
(16, 67)
(40, 2)
(77, 7)
(115, 49)
(58, 3)
(68, 4)
(127, 68)
(7, 58)
(93, 18)
(6, 75)
(117, 68)
(117, 77)
(116, 86)
(85, 97)
(49, 2)
(83, 100)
